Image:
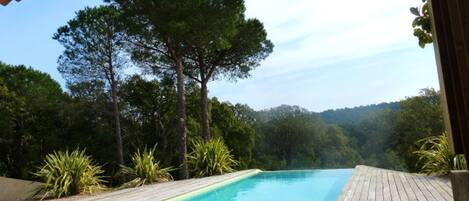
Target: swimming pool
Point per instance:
(304, 185)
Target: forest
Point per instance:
(39, 117)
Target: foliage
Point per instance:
(151, 115)
(387, 137)
(419, 117)
(31, 104)
(437, 157)
(237, 133)
(356, 114)
(210, 158)
(94, 43)
(316, 144)
(161, 34)
(245, 46)
(39, 118)
(67, 173)
(145, 169)
(371, 137)
(422, 23)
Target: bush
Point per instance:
(145, 169)
(438, 158)
(210, 158)
(67, 173)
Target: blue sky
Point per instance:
(328, 54)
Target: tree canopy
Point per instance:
(94, 44)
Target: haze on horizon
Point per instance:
(327, 55)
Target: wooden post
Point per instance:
(451, 36)
(451, 41)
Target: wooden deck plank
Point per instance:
(369, 183)
(160, 191)
(359, 185)
(435, 192)
(379, 185)
(366, 186)
(446, 195)
(444, 184)
(418, 193)
(407, 187)
(425, 191)
(392, 185)
(372, 188)
(386, 186)
(400, 187)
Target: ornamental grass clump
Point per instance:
(437, 157)
(210, 158)
(145, 169)
(65, 173)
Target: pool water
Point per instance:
(307, 185)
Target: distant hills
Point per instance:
(355, 114)
(336, 116)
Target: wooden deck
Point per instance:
(369, 183)
(161, 191)
(366, 183)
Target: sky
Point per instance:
(328, 53)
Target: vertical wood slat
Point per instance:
(359, 184)
(372, 188)
(366, 185)
(418, 193)
(400, 187)
(451, 35)
(407, 187)
(392, 185)
(379, 185)
(386, 186)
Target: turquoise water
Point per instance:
(307, 185)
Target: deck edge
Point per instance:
(205, 189)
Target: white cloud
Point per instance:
(309, 32)
(315, 34)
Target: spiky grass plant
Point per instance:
(210, 158)
(437, 157)
(145, 169)
(67, 173)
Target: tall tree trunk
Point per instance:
(120, 152)
(182, 120)
(205, 112)
(161, 132)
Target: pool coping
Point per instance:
(208, 188)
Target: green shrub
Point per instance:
(145, 169)
(437, 156)
(67, 173)
(210, 158)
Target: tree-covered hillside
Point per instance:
(355, 114)
(387, 135)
